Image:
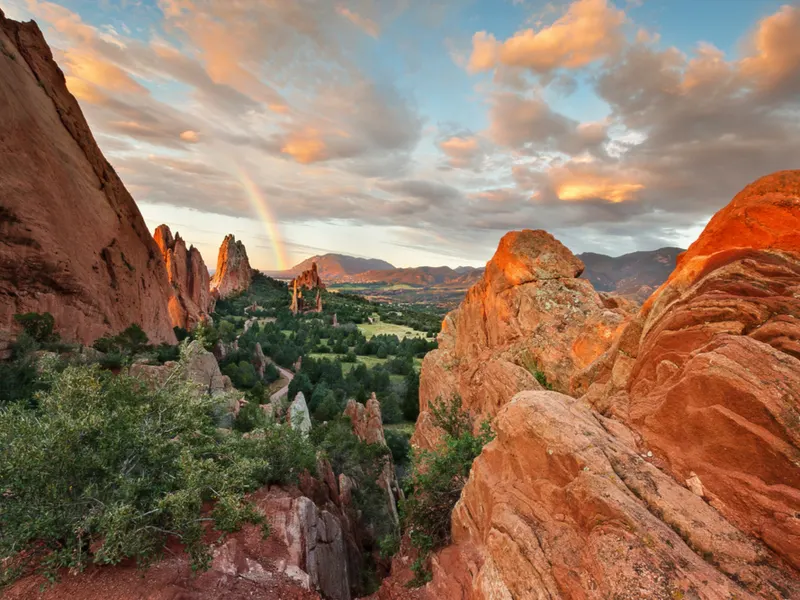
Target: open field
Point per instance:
(401, 331)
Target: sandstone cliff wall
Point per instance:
(72, 241)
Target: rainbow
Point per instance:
(259, 204)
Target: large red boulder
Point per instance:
(72, 240)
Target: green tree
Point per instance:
(437, 478)
(411, 397)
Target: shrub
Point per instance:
(106, 470)
(438, 476)
(390, 409)
(271, 373)
(411, 398)
(38, 326)
(399, 445)
(350, 357)
(250, 417)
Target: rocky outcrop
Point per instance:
(708, 374)
(197, 365)
(529, 318)
(560, 506)
(675, 474)
(303, 557)
(367, 420)
(233, 274)
(306, 291)
(368, 427)
(72, 240)
(309, 279)
(298, 415)
(190, 302)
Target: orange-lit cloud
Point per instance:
(305, 146)
(586, 181)
(462, 151)
(190, 136)
(91, 68)
(776, 49)
(590, 30)
(367, 25)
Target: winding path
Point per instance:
(284, 391)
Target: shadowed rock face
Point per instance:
(190, 302)
(528, 313)
(233, 274)
(72, 241)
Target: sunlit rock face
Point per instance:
(561, 505)
(190, 302)
(529, 315)
(73, 240)
(233, 274)
(673, 469)
(708, 374)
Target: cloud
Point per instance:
(366, 24)
(190, 136)
(590, 30)
(517, 121)
(774, 63)
(463, 152)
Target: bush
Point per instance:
(411, 399)
(106, 470)
(38, 326)
(399, 445)
(390, 409)
(271, 373)
(129, 342)
(438, 476)
(250, 417)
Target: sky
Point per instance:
(421, 131)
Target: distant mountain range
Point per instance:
(334, 267)
(634, 274)
(340, 268)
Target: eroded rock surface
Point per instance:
(233, 274)
(304, 558)
(529, 315)
(590, 518)
(190, 302)
(72, 240)
(708, 374)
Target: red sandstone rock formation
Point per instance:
(233, 274)
(72, 241)
(190, 302)
(367, 420)
(305, 552)
(708, 374)
(368, 426)
(560, 506)
(530, 312)
(676, 474)
(309, 279)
